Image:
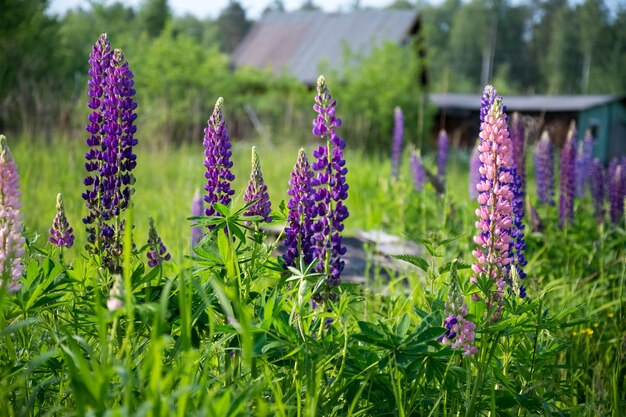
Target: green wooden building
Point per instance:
(607, 122)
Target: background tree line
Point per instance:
(181, 64)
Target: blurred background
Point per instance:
(263, 57)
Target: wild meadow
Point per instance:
(206, 279)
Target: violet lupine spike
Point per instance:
(493, 255)
(217, 161)
(331, 189)
(61, 234)
(99, 62)
(616, 192)
(518, 139)
(517, 230)
(157, 252)
(544, 170)
(474, 172)
(567, 185)
(460, 331)
(398, 135)
(442, 155)
(583, 163)
(597, 188)
(197, 210)
(11, 240)
(417, 171)
(301, 213)
(257, 190)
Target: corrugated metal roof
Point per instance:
(524, 103)
(299, 42)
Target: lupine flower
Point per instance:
(217, 161)
(110, 160)
(544, 170)
(417, 170)
(61, 234)
(197, 209)
(330, 188)
(301, 213)
(257, 190)
(583, 163)
(517, 230)
(460, 331)
(474, 174)
(518, 140)
(11, 239)
(442, 155)
(398, 133)
(494, 224)
(115, 301)
(616, 193)
(566, 195)
(157, 252)
(597, 188)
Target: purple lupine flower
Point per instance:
(460, 331)
(474, 172)
(99, 62)
(301, 213)
(61, 234)
(518, 140)
(116, 178)
(157, 252)
(616, 192)
(331, 189)
(417, 171)
(566, 194)
(597, 188)
(11, 239)
(257, 190)
(217, 161)
(442, 155)
(517, 230)
(544, 170)
(583, 163)
(396, 150)
(197, 209)
(493, 255)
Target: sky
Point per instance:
(212, 8)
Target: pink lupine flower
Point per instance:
(494, 196)
(11, 239)
(460, 332)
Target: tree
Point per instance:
(153, 15)
(232, 26)
(592, 15)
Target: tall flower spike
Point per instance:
(493, 256)
(597, 188)
(417, 170)
(616, 192)
(301, 213)
(157, 252)
(11, 239)
(61, 234)
(99, 62)
(583, 163)
(331, 189)
(517, 230)
(544, 170)
(474, 172)
(217, 161)
(197, 209)
(442, 155)
(567, 188)
(257, 190)
(396, 149)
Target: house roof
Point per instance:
(299, 42)
(524, 103)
